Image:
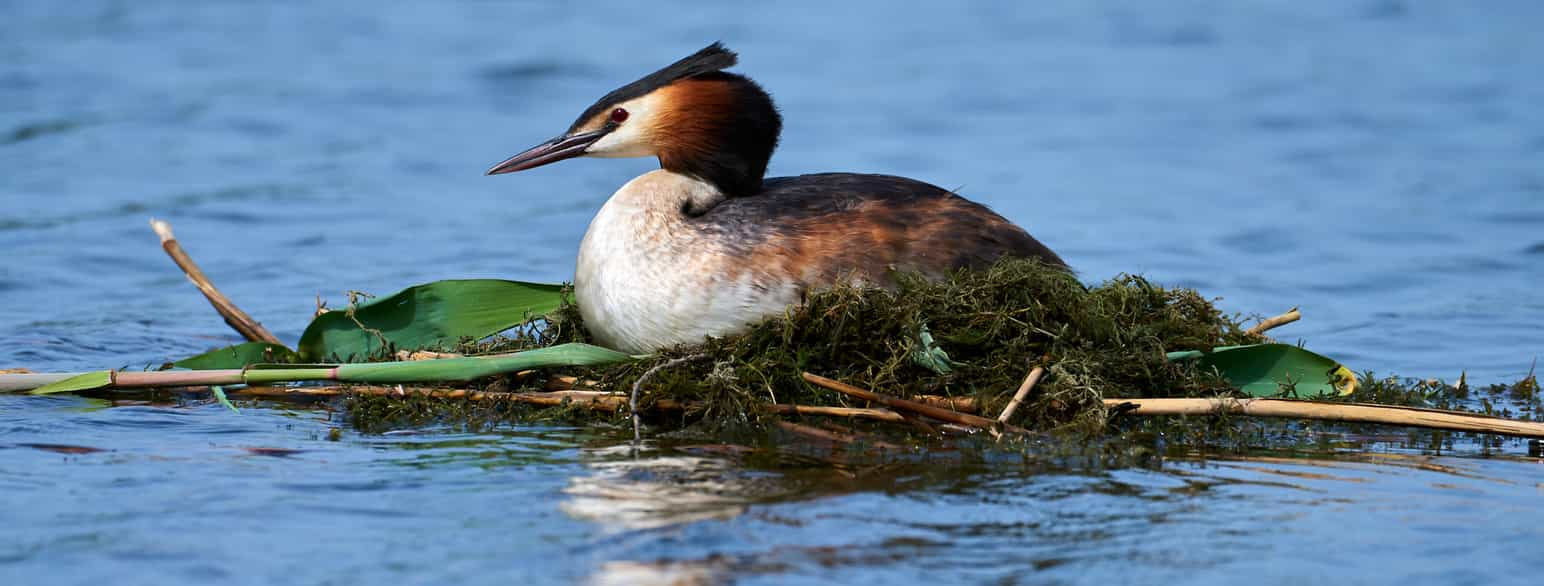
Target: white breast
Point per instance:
(648, 279)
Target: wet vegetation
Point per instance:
(974, 335)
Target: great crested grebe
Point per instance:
(704, 245)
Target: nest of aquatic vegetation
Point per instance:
(995, 325)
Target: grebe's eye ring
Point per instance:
(618, 116)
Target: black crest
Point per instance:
(711, 58)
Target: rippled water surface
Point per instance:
(1378, 163)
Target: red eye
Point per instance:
(618, 116)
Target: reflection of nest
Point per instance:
(659, 491)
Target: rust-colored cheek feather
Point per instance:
(718, 127)
(695, 114)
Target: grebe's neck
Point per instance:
(721, 128)
(662, 198)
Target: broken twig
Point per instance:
(638, 386)
(1021, 394)
(1347, 412)
(1266, 325)
(234, 316)
(910, 406)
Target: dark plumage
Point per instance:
(869, 224)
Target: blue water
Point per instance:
(1378, 163)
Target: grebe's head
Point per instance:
(700, 121)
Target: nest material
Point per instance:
(1108, 341)
(995, 325)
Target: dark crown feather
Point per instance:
(711, 58)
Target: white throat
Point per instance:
(648, 278)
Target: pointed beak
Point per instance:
(552, 151)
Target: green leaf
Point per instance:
(1266, 370)
(431, 316)
(927, 354)
(80, 382)
(239, 356)
(474, 367)
(219, 395)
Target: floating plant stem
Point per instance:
(1324, 411)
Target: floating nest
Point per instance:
(968, 340)
(974, 335)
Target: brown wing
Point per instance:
(820, 227)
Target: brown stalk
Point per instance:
(1266, 325)
(875, 414)
(1023, 392)
(234, 316)
(597, 400)
(406, 356)
(899, 404)
(961, 404)
(1347, 412)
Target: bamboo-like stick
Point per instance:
(1021, 394)
(1266, 325)
(234, 316)
(26, 381)
(856, 413)
(899, 404)
(961, 404)
(1347, 412)
(597, 400)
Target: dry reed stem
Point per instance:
(1347, 412)
(596, 400)
(899, 404)
(1266, 325)
(408, 356)
(852, 412)
(234, 316)
(961, 404)
(561, 382)
(611, 402)
(1023, 392)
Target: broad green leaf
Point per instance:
(431, 316)
(80, 382)
(1265, 370)
(239, 356)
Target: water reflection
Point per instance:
(657, 490)
(694, 519)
